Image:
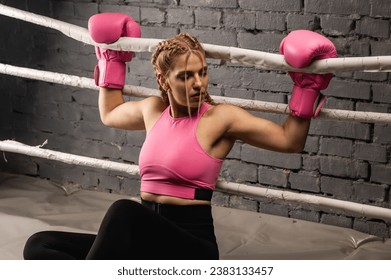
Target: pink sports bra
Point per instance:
(172, 162)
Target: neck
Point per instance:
(179, 111)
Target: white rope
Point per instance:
(361, 210)
(37, 151)
(236, 55)
(253, 105)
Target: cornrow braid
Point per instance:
(167, 51)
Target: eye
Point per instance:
(203, 72)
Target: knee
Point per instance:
(34, 246)
(124, 209)
(124, 205)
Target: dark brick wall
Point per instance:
(342, 160)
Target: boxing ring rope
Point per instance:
(361, 210)
(236, 55)
(253, 105)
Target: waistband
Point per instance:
(179, 212)
(177, 191)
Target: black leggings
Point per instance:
(130, 230)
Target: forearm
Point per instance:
(109, 99)
(296, 132)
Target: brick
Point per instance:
(266, 42)
(359, 7)
(336, 26)
(216, 37)
(235, 151)
(377, 28)
(180, 16)
(130, 186)
(39, 7)
(63, 10)
(371, 152)
(347, 89)
(266, 82)
(70, 112)
(349, 130)
(97, 131)
(135, 138)
(239, 93)
(304, 182)
(210, 18)
(270, 97)
(132, 11)
(360, 48)
(310, 163)
(265, 157)
(210, 4)
(376, 228)
(367, 192)
(343, 167)
(273, 208)
(382, 134)
(228, 75)
(374, 77)
(220, 199)
(381, 48)
(244, 20)
(234, 170)
(243, 203)
(381, 173)
(381, 93)
(337, 187)
(275, 177)
(305, 215)
(311, 144)
(19, 164)
(336, 220)
(338, 104)
(373, 107)
(86, 10)
(336, 147)
(270, 21)
(299, 21)
(381, 8)
(271, 5)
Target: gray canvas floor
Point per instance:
(28, 205)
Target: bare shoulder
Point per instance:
(225, 112)
(152, 108)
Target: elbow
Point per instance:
(105, 120)
(295, 148)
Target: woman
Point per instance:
(188, 136)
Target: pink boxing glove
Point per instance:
(107, 28)
(300, 48)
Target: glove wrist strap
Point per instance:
(306, 103)
(110, 74)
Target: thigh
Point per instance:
(58, 245)
(129, 230)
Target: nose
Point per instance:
(198, 81)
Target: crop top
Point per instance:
(172, 162)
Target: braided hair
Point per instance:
(163, 58)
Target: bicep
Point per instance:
(258, 132)
(118, 113)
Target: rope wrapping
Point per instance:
(136, 91)
(235, 55)
(361, 210)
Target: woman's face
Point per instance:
(188, 82)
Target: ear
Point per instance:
(162, 81)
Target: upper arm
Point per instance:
(263, 133)
(130, 115)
